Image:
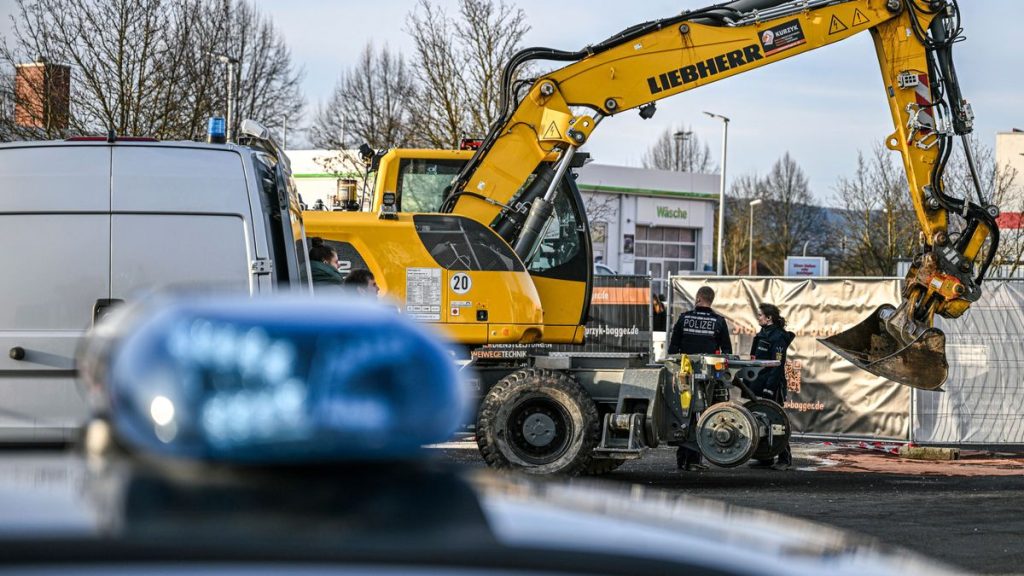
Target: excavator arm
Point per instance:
(557, 112)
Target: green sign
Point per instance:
(676, 213)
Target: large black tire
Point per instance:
(599, 466)
(539, 422)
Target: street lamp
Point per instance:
(680, 137)
(231, 63)
(750, 257)
(721, 191)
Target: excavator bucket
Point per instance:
(870, 346)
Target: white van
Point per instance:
(85, 224)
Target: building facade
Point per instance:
(656, 223)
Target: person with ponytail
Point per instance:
(771, 343)
(323, 264)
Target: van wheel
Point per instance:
(538, 421)
(597, 467)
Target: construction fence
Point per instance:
(982, 402)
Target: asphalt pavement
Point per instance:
(968, 513)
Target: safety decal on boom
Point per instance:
(924, 120)
(782, 37)
(552, 132)
(859, 18)
(836, 26)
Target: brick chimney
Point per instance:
(42, 94)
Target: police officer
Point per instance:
(699, 331)
(771, 343)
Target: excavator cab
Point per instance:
(560, 263)
(488, 293)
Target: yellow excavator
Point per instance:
(498, 250)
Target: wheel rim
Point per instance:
(539, 430)
(727, 435)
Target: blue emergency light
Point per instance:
(216, 130)
(270, 381)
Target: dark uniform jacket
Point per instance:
(323, 273)
(771, 343)
(700, 331)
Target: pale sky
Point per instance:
(822, 107)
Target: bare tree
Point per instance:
(116, 51)
(788, 218)
(736, 238)
(268, 85)
(144, 67)
(459, 64)
(679, 149)
(600, 207)
(876, 221)
(373, 103)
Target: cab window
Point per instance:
(458, 243)
(422, 183)
(560, 241)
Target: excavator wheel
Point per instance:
(538, 422)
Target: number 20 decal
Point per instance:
(461, 283)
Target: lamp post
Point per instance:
(680, 137)
(231, 64)
(721, 191)
(750, 257)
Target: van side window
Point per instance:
(458, 243)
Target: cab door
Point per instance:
(562, 268)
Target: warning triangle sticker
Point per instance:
(552, 132)
(859, 17)
(836, 26)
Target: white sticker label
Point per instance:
(461, 283)
(461, 303)
(423, 293)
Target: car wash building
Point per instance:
(651, 222)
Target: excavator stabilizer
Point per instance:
(870, 346)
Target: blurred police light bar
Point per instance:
(272, 380)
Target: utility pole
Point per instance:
(232, 64)
(750, 257)
(680, 137)
(721, 191)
